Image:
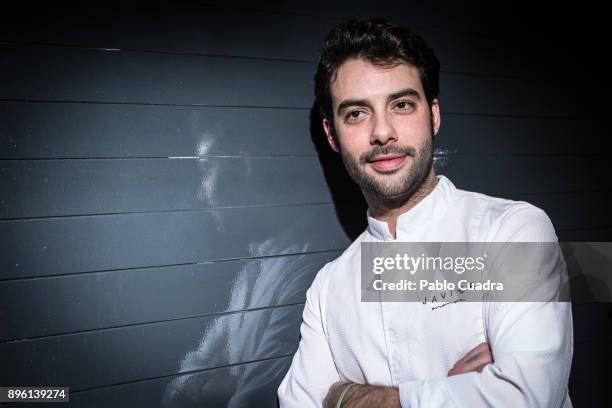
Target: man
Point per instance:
(377, 89)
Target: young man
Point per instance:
(377, 88)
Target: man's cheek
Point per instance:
(356, 142)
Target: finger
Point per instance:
(481, 358)
(477, 360)
(465, 369)
(473, 363)
(478, 349)
(453, 371)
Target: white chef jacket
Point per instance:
(410, 346)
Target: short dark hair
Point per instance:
(380, 42)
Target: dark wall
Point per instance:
(166, 197)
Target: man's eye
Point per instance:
(353, 115)
(405, 105)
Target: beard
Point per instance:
(401, 184)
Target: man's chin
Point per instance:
(389, 193)
(393, 187)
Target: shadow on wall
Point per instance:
(348, 200)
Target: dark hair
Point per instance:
(380, 42)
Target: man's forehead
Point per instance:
(359, 78)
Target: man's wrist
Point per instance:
(345, 390)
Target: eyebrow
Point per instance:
(364, 102)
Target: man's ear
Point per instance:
(435, 116)
(329, 132)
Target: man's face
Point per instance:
(383, 126)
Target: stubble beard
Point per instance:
(397, 186)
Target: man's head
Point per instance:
(377, 88)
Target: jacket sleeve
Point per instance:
(532, 350)
(531, 344)
(312, 369)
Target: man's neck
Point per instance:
(389, 210)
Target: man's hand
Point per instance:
(362, 396)
(475, 360)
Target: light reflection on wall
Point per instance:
(243, 337)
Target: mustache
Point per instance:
(386, 150)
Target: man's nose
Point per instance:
(382, 131)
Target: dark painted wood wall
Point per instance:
(166, 198)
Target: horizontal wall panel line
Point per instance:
(208, 105)
(153, 51)
(48, 130)
(145, 51)
(159, 52)
(179, 346)
(511, 195)
(247, 57)
(172, 265)
(59, 188)
(101, 329)
(71, 304)
(187, 79)
(453, 154)
(182, 373)
(123, 241)
(274, 156)
(187, 210)
(176, 391)
(227, 156)
(205, 105)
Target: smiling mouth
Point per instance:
(388, 163)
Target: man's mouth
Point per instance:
(388, 162)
